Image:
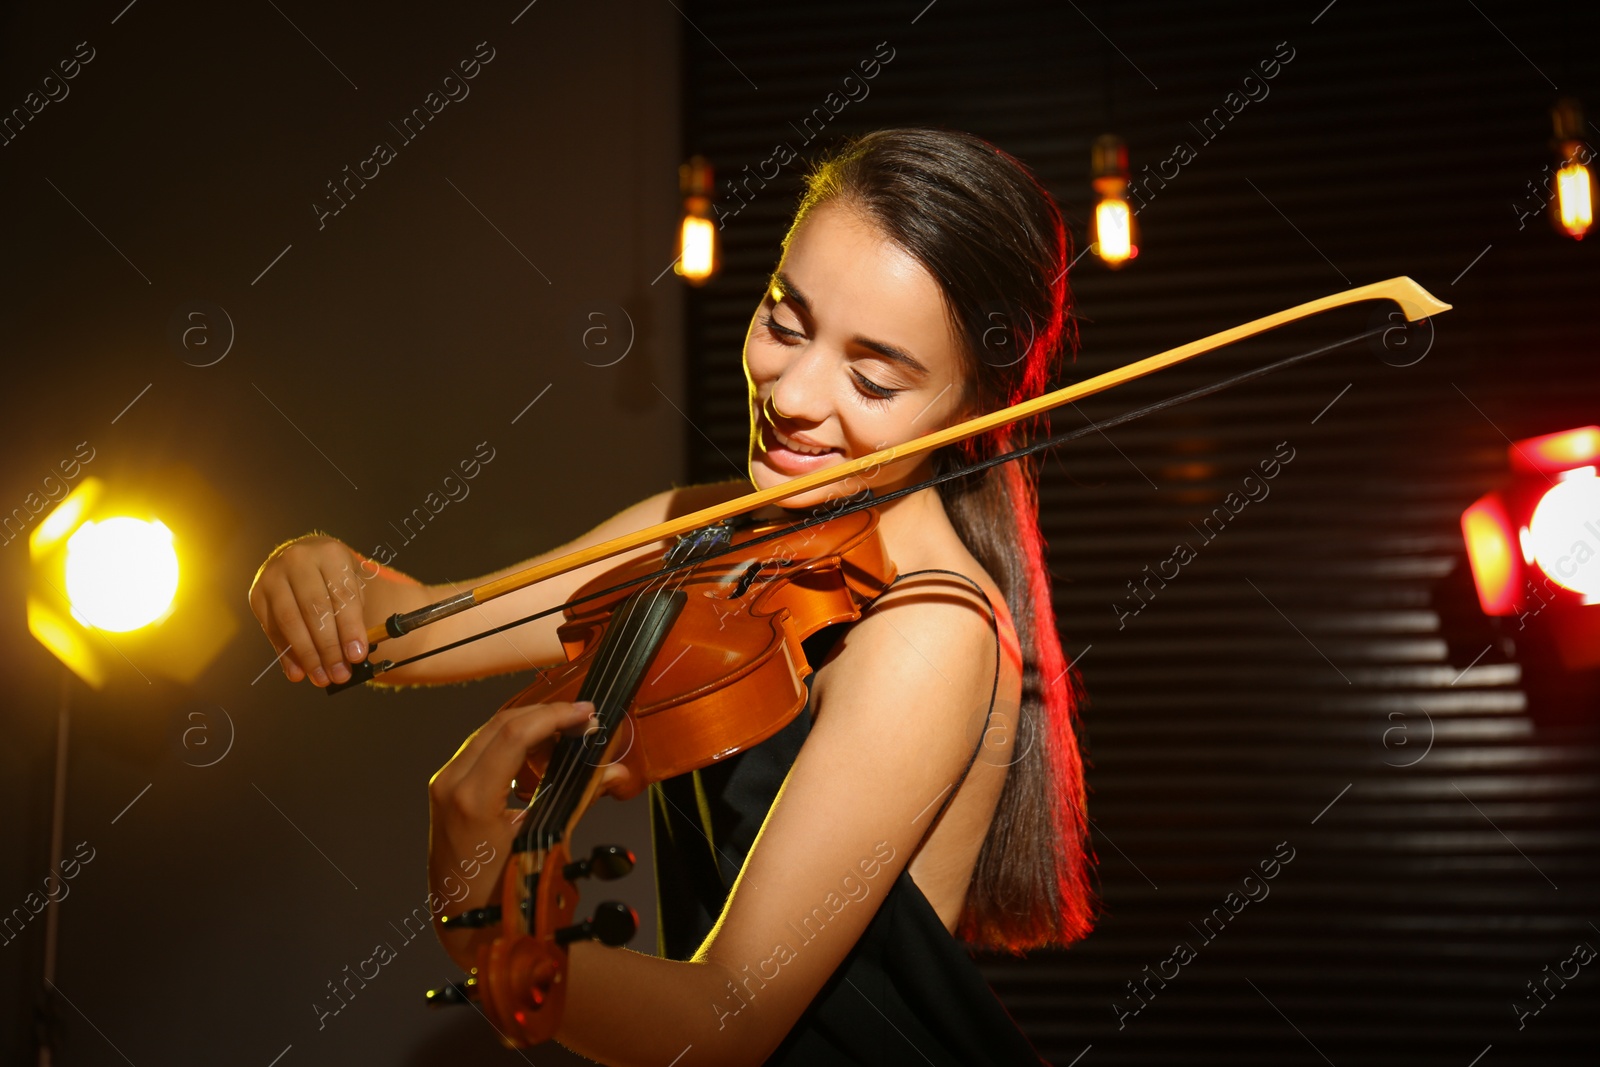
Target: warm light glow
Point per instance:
(1573, 196)
(66, 640)
(1565, 534)
(65, 518)
(1495, 572)
(697, 243)
(1113, 227)
(122, 573)
(1554, 452)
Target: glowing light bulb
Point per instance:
(1574, 188)
(1113, 227)
(122, 573)
(698, 257)
(697, 242)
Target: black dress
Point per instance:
(908, 992)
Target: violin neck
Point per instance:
(639, 626)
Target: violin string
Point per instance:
(567, 774)
(570, 773)
(847, 505)
(557, 793)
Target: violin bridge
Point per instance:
(697, 543)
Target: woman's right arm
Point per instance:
(315, 598)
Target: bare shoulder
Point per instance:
(677, 502)
(687, 499)
(939, 620)
(948, 574)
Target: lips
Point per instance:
(788, 460)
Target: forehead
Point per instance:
(862, 284)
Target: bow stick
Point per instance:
(1414, 302)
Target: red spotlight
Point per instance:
(1535, 544)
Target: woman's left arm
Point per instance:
(894, 725)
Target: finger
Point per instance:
(619, 781)
(311, 593)
(484, 787)
(291, 626)
(531, 773)
(466, 757)
(348, 617)
(285, 660)
(259, 606)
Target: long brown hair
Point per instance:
(992, 237)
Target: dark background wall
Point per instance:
(1227, 716)
(415, 325)
(1319, 675)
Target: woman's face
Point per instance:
(850, 351)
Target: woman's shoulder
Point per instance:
(943, 612)
(943, 571)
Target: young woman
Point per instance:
(814, 891)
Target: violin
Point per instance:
(732, 677)
(695, 656)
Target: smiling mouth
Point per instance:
(795, 447)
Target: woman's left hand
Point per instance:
(470, 826)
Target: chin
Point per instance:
(764, 477)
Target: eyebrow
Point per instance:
(781, 281)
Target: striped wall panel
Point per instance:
(1317, 681)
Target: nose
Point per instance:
(800, 393)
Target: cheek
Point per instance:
(870, 427)
(868, 430)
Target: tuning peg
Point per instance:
(605, 862)
(613, 924)
(473, 919)
(452, 993)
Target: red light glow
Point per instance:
(1492, 551)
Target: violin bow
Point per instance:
(1414, 302)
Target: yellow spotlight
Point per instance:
(1574, 189)
(698, 254)
(106, 596)
(122, 573)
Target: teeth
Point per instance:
(805, 450)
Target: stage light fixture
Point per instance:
(107, 600)
(1535, 544)
(113, 586)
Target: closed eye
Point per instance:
(781, 333)
(872, 391)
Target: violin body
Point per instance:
(732, 673)
(728, 674)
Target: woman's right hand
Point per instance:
(309, 598)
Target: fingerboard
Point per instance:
(639, 627)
